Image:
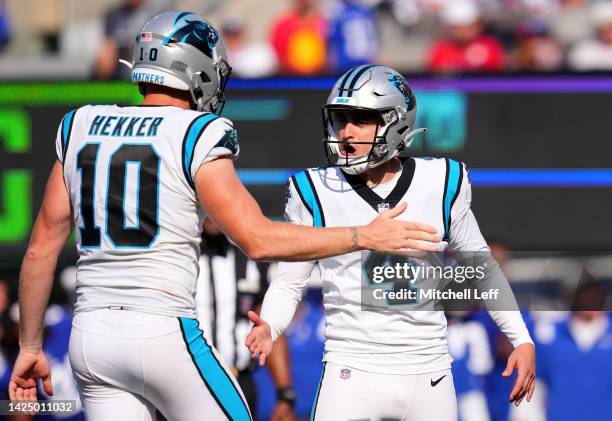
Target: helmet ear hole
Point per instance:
(205, 77)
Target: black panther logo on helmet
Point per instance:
(196, 33)
(402, 86)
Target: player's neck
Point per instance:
(159, 98)
(383, 173)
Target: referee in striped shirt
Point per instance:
(229, 286)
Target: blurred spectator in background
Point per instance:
(465, 48)
(57, 326)
(9, 346)
(118, 41)
(575, 359)
(305, 339)
(299, 39)
(533, 8)
(536, 50)
(468, 344)
(9, 340)
(595, 53)
(229, 286)
(248, 60)
(5, 31)
(120, 25)
(571, 22)
(353, 36)
(58, 323)
(498, 387)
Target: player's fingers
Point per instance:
(419, 245)
(525, 389)
(262, 359)
(518, 386)
(250, 338)
(48, 385)
(24, 383)
(396, 211)
(30, 394)
(12, 390)
(531, 390)
(19, 393)
(422, 235)
(254, 317)
(529, 379)
(519, 399)
(419, 226)
(509, 367)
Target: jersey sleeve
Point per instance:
(511, 323)
(284, 294)
(296, 210)
(290, 279)
(464, 232)
(465, 236)
(63, 135)
(208, 137)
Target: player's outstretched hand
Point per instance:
(259, 340)
(523, 360)
(388, 234)
(29, 367)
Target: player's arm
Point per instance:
(280, 303)
(286, 289)
(228, 203)
(50, 232)
(465, 236)
(279, 365)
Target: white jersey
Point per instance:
(130, 174)
(438, 193)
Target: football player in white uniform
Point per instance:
(135, 181)
(380, 365)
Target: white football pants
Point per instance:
(128, 363)
(348, 394)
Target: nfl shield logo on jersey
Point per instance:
(345, 373)
(383, 207)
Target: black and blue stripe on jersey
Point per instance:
(452, 187)
(215, 377)
(190, 141)
(309, 197)
(67, 122)
(192, 136)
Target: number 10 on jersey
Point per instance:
(147, 196)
